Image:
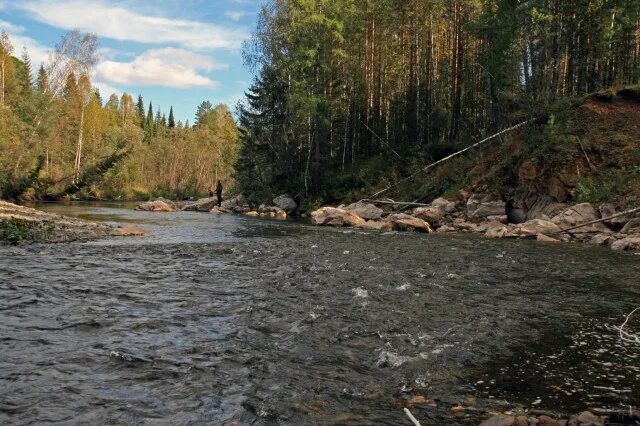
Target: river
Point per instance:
(234, 320)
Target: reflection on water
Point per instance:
(216, 319)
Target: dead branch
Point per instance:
(627, 336)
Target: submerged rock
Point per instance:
(365, 210)
(331, 216)
(496, 232)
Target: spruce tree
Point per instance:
(26, 75)
(43, 80)
(149, 123)
(172, 121)
(140, 111)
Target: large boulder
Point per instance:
(236, 204)
(202, 205)
(331, 216)
(632, 227)
(432, 214)
(365, 210)
(403, 222)
(445, 206)
(480, 206)
(579, 214)
(286, 203)
(534, 227)
(156, 206)
(628, 243)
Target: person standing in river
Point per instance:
(219, 193)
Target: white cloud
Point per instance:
(234, 15)
(38, 53)
(106, 90)
(120, 23)
(162, 67)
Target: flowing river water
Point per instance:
(233, 320)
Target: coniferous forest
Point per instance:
(61, 137)
(355, 94)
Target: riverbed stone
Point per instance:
(237, 204)
(546, 239)
(432, 214)
(286, 203)
(377, 225)
(462, 225)
(366, 211)
(480, 206)
(547, 421)
(602, 240)
(201, 205)
(403, 222)
(444, 205)
(331, 216)
(534, 227)
(499, 420)
(579, 214)
(631, 227)
(160, 206)
(496, 232)
(252, 213)
(128, 231)
(586, 418)
(445, 229)
(629, 243)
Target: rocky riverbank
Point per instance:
(19, 223)
(489, 216)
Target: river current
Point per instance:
(234, 320)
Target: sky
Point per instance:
(174, 52)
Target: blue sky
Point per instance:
(173, 52)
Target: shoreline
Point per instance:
(26, 224)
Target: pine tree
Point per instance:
(43, 80)
(172, 121)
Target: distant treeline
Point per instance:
(58, 136)
(352, 94)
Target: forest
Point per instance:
(60, 138)
(351, 95)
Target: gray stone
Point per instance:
(403, 222)
(628, 243)
(632, 227)
(286, 203)
(480, 206)
(202, 205)
(433, 215)
(365, 210)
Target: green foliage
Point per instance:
(16, 231)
